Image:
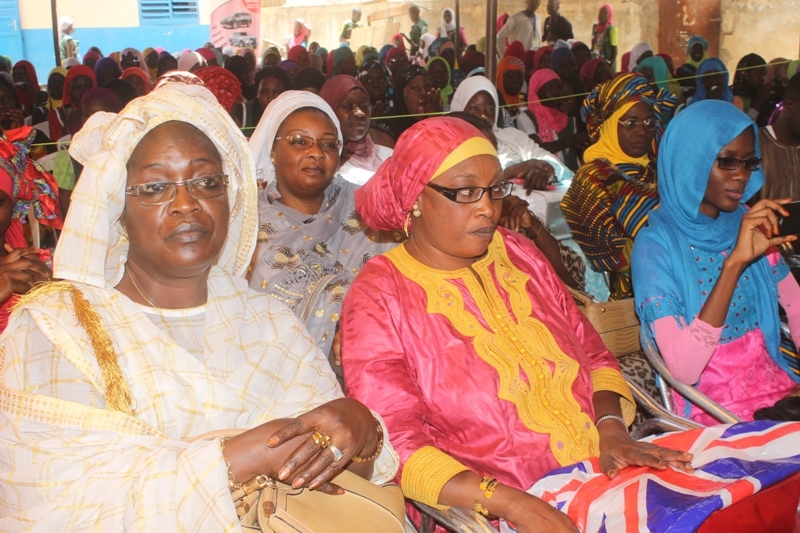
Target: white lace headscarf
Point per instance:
(93, 248)
(277, 111)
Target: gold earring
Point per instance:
(415, 211)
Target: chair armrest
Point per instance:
(456, 519)
(699, 399)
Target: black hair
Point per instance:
(123, 89)
(793, 89)
(11, 89)
(272, 72)
(165, 64)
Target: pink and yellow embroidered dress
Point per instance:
(490, 368)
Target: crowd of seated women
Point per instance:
(303, 253)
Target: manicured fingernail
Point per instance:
(273, 441)
(284, 473)
(299, 482)
(314, 485)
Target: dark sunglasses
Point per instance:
(731, 163)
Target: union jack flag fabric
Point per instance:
(731, 462)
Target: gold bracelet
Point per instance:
(488, 486)
(231, 479)
(479, 508)
(377, 451)
(541, 225)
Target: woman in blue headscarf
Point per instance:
(707, 275)
(696, 50)
(713, 82)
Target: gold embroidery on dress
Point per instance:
(535, 374)
(117, 394)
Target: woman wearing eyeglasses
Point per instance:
(611, 194)
(706, 274)
(311, 241)
(469, 346)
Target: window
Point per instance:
(168, 12)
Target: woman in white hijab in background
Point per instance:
(638, 53)
(478, 96)
(311, 240)
(68, 45)
(447, 29)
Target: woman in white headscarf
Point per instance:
(68, 45)
(478, 95)
(638, 53)
(447, 28)
(311, 240)
(190, 61)
(111, 377)
(424, 42)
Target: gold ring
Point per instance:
(323, 441)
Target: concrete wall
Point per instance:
(770, 28)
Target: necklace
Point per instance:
(425, 256)
(136, 286)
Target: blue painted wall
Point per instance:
(38, 44)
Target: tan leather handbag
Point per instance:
(270, 506)
(615, 321)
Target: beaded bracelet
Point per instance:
(377, 450)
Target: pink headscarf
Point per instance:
(537, 57)
(602, 27)
(550, 121)
(363, 153)
(385, 201)
(293, 40)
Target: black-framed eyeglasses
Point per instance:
(631, 124)
(470, 195)
(163, 192)
(304, 142)
(731, 163)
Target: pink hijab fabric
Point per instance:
(550, 121)
(363, 153)
(385, 201)
(602, 27)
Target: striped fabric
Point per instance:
(605, 207)
(731, 463)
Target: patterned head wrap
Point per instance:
(34, 188)
(508, 64)
(403, 77)
(387, 100)
(609, 97)
(424, 151)
(222, 83)
(93, 248)
(608, 102)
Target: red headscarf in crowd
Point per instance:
(72, 73)
(363, 153)
(537, 57)
(516, 49)
(222, 83)
(549, 120)
(139, 73)
(508, 64)
(427, 149)
(24, 96)
(587, 73)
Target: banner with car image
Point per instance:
(236, 23)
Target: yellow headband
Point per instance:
(469, 148)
